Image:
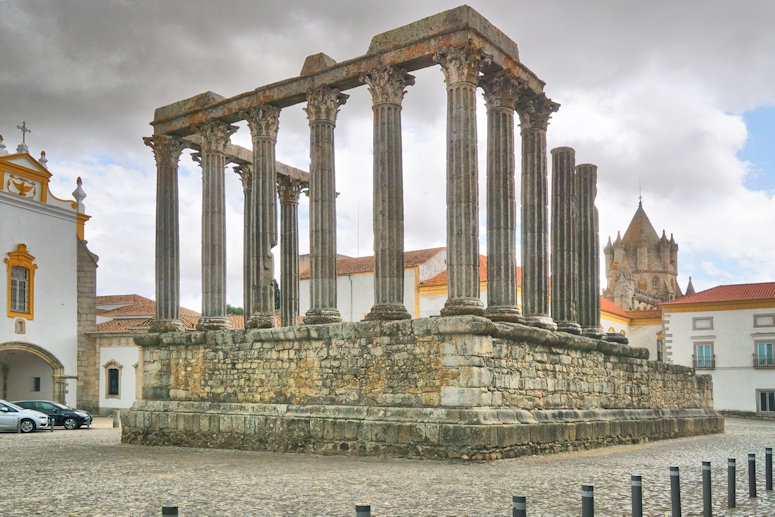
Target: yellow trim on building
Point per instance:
(21, 258)
(81, 221)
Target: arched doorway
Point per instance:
(29, 371)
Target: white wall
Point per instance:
(49, 232)
(126, 357)
(733, 335)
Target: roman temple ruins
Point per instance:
(476, 382)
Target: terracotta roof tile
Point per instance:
(119, 299)
(609, 306)
(350, 265)
(442, 279)
(729, 293)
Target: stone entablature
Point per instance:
(421, 372)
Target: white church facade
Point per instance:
(48, 285)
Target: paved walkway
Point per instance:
(90, 473)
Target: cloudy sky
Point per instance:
(673, 100)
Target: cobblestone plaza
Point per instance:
(90, 473)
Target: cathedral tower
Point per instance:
(641, 268)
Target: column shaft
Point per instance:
(387, 91)
(215, 137)
(534, 111)
(500, 91)
(167, 151)
(461, 69)
(588, 251)
(322, 108)
(289, 254)
(248, 232)
(264, 124)
(563, 255)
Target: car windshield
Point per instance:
(60, 406)
(14, 406)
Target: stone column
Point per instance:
(166, 150)
(534, 112)
(245, 172)
(289, 190)
(564, 258)
(322, 107)
(461, 68)
(386, 86)
(215, 137)
(264, 124)
(500, 94)
(588, 251)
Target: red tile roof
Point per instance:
(729, 293)
(119, 299)
(609, 306)
(441, 278)
(350, 265)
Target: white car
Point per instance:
(13, 418)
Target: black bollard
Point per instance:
(637, 495)
(587, 501)
(675, 492)
(752, 475)
(731, 489)
(707, 503)
(362, 510)
(768, 468)
(519, 506)
(169, 509)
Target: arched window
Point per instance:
(21, 283)
(112, 379)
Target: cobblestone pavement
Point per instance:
(90, 473)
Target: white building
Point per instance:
(729, 332)
(48, 287)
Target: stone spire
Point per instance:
(690, 288)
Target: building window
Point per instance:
(764, 320)
(36, 384)
(766, 400)
(764, 355)
(112, 380)
(702, 323)
(703, 356)
(21, 282)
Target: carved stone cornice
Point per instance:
(323, 104)
(289, 189)
(461, 65)
(215, 135)
(263, 121)
(165, 148)
(387, 84)
(501, 89)
(534, 111)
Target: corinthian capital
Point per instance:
(501, 89)
(461, 65)
(289, 189)
(323, 104)
(387, 84)
(534, 110)
(244, 171)
(263, 121)
(166, 149)
(215, 135)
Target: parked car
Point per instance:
(13, 417)
(61, 415)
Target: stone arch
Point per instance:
(57, 368)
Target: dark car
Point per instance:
(61, 415)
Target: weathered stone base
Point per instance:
(428, 433)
